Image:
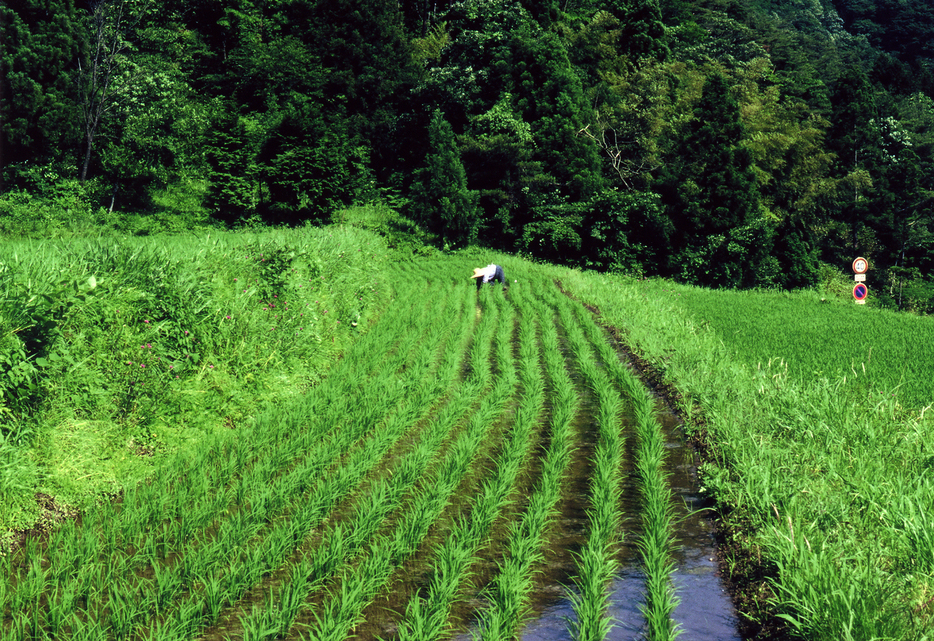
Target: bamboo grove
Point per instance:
(413, 494)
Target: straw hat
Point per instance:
(477, 272)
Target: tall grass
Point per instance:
(116, 346)
(881, 351)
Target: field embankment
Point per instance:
(116, 352)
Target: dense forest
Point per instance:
(727, 143)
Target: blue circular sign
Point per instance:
(860, 291)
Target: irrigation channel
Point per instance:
(480, 464)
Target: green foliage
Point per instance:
(18, 383)
(234, 175)
(50, 206)
(39, 118)
(643, 33)
(442, 200)
(310, 182)
(115, 346)
(430, 47)
(290, 112)
(711, 195)
(904, 28)
(550, 98)
(622, 230)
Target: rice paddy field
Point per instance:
(472, 460)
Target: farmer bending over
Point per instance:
(489, 274)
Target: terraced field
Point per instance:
(472, 451)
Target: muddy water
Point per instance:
(705, 612)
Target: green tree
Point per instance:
(39, 115)
(497, 153)
(104, 77)
(550, 97)
(711, 196)
(442, 201)
(310, 168)
(234, 175)
(623, 229)
(643, 31)
(368, 65)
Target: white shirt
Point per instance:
(488, 272)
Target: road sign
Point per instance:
(860, 292)
(859, 278)
(860, 265)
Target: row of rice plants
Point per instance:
(291, 593)
(657, 540)
(349, 474)
(514, 579)
(427, 618)
(125, 518)
(597, 562)
(114, 565)
(817, 476)
(343, 542)
(357, 586)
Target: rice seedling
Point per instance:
(597, 562)
(124, 608)
(60, 608)
(342, 610)
(428, 618)
(513, 581)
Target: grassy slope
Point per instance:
(136, 347)
(887, 352)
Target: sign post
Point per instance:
(860, 267)
(859, 293)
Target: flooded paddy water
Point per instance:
(705, 611)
